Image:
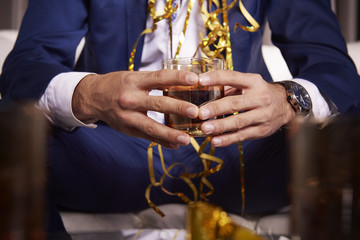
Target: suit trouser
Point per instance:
(102, 170)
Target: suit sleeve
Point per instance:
(46, 46)
(309, 37)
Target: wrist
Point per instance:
(82, 101)
(297, 96)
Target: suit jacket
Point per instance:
(306, 31)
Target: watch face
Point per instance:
(302, 96)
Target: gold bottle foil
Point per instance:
(208, 222)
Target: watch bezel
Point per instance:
(293, 95)
(302, 96)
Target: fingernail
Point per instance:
(192, 112)
(208, 128)
(216, 142)
(183, 140)
(204, 79)
(205, 112)
(191, 78)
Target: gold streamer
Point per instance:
(217, 31)
(242, 172)
(218, 35)
(157, 16)
(138, 233)
(254, 24)
(182, 35)
(176, 234)
(219, 38)
(185, 176)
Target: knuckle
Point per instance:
(154, 103)
(126, 101)
(240, 122)
(266, 99)
(257, 77)
(158, 104)
(160, 76)
(240, 136)
(150, 129)
(234, 104)
(130, 78)
(180, 108)
(233, 76)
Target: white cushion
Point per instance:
(152, 226)
(7, 41)
(354, 52)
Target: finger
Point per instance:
(231, 91)
(164, 78)
(144, 102)
(251, 132)
(232, 104)
(231, 123)
(170, 105)
(150, 129)
(230, 78)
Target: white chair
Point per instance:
(129, 225)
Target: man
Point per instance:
(100, 169)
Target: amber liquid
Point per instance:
(196, 95)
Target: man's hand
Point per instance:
(122, 100)
(262, 107)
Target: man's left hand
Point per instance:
(261, 106)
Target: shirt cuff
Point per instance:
(56, 101)
(322, 107)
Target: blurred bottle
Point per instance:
(22, 172)
(325, 180)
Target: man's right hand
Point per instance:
(121, 99)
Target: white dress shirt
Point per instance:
(56, 100)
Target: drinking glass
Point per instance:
(196, 94)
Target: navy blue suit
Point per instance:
(101, 169)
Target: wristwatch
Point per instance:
(298, 97)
